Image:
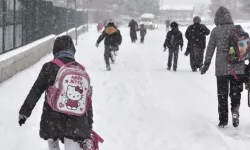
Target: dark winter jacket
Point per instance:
(143, 31)
(220, 39)
(196, 36)
(111, 35)
(133, 25)
(55, 125)
(174, 39)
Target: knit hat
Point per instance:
(174, 25)
(197, 19)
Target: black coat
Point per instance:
(196, 36)
(111, 35)
(133, 25)
(174, 39)
(53, 124)
(143, 31)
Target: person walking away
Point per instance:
(143, 32)
(227, 84)
(133, 25)
(58, 124)
(100, 26)
(167, 23)
(112, 41)
(196, 36)
(173, 42)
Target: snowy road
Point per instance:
(139, 105)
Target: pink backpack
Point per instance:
(71, 92)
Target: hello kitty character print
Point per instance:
(71, 92)
(74, 95)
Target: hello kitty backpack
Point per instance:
(71, 91)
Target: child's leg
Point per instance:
(142, 39)
(53, 145)
(71, 145)
(170, 58)
(176, 52)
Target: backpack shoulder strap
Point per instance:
(58, 62)
(70, 63)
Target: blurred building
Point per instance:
(177, 12)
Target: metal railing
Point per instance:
(25, 21)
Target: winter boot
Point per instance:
(222, 125)
(169, 68)
(175, 69)
(194, 70)
(235, 116)
(108, 68)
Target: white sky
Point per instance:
(186, 2)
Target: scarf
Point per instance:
(63, 53)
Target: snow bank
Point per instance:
(23, 57)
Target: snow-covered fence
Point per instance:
(24, 57)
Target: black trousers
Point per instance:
(224, 84)
(196, 58)
(142, 39)
(107, 54)
(133, 35)
(173, 53)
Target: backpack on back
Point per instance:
(173, 40)
(239, 45)
(71, 91)
(239, 48)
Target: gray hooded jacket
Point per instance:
(220, 38)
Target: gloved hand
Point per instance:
(181, 48)
(97, 45)
(205, 68)
(22, 119)
(164, 49)
(186, 53)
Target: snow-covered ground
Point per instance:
(139, 105)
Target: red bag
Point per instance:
(92, 144)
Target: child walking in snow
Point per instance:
(55, 125)
(143, 32)
(173, 42)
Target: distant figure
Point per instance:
(167, 23)
(112, 41)
(143, 32)
(196, 36)
(173, 41)
(100, 26)
(133, 27)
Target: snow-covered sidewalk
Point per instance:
(139, 105)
